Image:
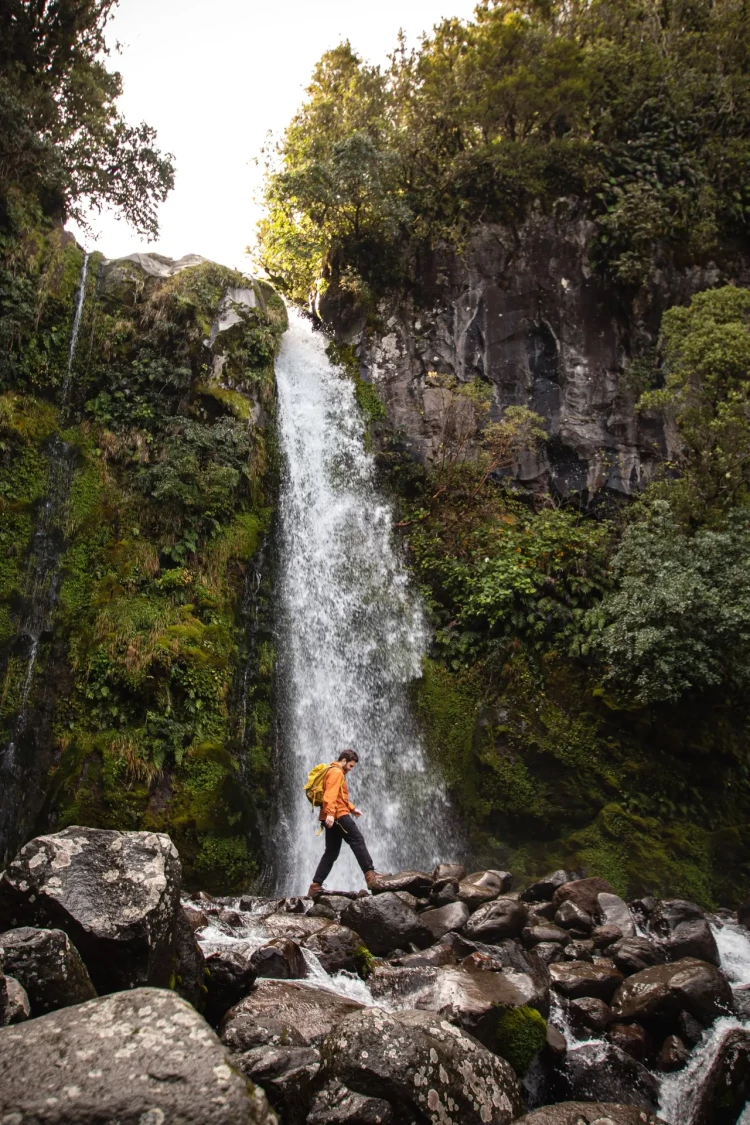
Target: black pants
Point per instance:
(343, 829)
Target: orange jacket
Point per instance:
(336, 801)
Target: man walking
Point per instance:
(337, 814)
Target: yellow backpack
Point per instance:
(315, 784)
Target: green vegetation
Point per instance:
(519, 1037)
(619, 103)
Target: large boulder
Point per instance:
(684, 930)
(299, 1014)
(662, 992)
(574, 979)
(444, 919)
(385, 922)
(633, 954)
(584, 893)
(614, 911)
(601, 1072)
(281, 958)
(417, 883)
(500, 881)
(475, 894)
(495, 921)
(589, 1113)
(425, 1065)
(336, 1104)
(337, 947)
(48, 966)
(725, 1091)
(190, 963)
(476, 1000)
(286, 1074)
(115, 894)
(230, 974)
(137, 1057)
(298, 927)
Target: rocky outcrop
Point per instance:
(662, 992)
(385, 922)
(115, 894)
(48, 966)
(143, 1056)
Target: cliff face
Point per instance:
(524, 308)
(137, 484)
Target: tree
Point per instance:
(62, 139)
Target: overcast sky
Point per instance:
(214, 79)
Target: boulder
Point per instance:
(298, 927)
(574, 979)
(571, 917)
(725, 1091)
(14, 1005)
(613, 911)
(632, 955)
(673, 1054)
(143, 1056)
(444, 892)
(115, 894)
(584, 893)
(630, 1038)
(384, 923)
(472, 998)
(662, 992)
(297, 904)
(230, 974)
(449, 871)
(684, 931)
(590, 1013)
(441, 953)
(543, 890)
(190, 964)
(259, 906)
(602, 936)
(540, 912)
(402, 986)
(550, 951)
(281, 959)
(475, 895)
(589, 1113)
(417, 883)
(534, 935)
(445, 918)
(501, 881)
(602, 1072)
(336, 1104)
(495, 921)
(196, 918)
(286, 1074)
(304, 1014)
(48, 966)
(579, 951)
(424, 1064)
(337, 947)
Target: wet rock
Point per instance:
(190, 964)
(401, 985)
(197, 919)
(298, 905)
(232, 919)
(424, 1064)
(384, 923)
(115, 894)
(544, 889)
(689, 1029)
(48, 966)
(298, 927)
(602, 1072)
(584, 893)
(286, 1074)
(337, 947)
(673, 1054)
(259, 906)
(500, 881)
(472, 997)
(630, 1038)
(540, 912)
(444, 892)
(613, 911)
(280, 959)
(229, 975)
(743, 913)
(633, 955)
(579, 951)
(571, 916)
(495, 921)
(445, 918)
(441, 953)
(449, 871)
(475, 895)
(534, 935)
(579, 978)
(336, 1104)
(14, 1004)
(663, 991)
(411, 900)
(550, 951)
(725, 1092)
(741, 998)
(602, 936)
(590, 1113)
(304, 1013)
(590, 1013)
(684, 931)
(417, 883)
(134, 1057)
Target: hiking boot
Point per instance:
(372, 878)
(314, 889)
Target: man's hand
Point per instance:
(356, 812)
(329, 822)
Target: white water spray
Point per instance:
(352, 633)
(80, 301)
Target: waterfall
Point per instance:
(351, 634)
(40, 599)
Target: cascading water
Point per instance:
(42, 588)
(352, 634)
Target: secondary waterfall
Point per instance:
(352, 634)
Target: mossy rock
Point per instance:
(520, 1034)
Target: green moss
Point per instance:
(520, 1034)
(364, 960)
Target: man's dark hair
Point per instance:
(348, 756)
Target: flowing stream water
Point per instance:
(352, 634)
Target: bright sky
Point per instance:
(214, 79)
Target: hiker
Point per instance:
(337, 814)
